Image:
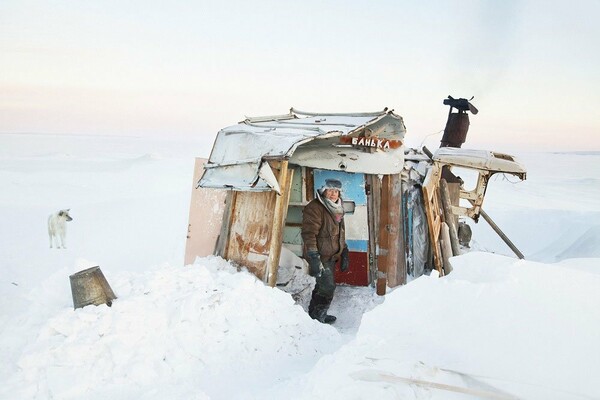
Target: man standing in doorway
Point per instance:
(323, 233)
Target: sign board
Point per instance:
(371, 142)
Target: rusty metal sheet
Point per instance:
(255, 177)
(240, 150)
(250, 231)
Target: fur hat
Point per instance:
(331, 184)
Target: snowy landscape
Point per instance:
(496, 327)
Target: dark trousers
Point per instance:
(323, 292)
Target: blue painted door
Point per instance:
(357, 230)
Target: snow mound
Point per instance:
(586, 245)
(188, 330)
(293, 278)
(496, 325)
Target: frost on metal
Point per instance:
(240, 154)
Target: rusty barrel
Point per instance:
(90, 287)
(456, 130)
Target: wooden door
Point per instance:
(357, 231)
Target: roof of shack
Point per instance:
(481, 159)
(239, 154)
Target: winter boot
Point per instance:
(317, 309)
(323, 317)
(328, 319)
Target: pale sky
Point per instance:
(189, 68)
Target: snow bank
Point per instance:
(189, 332)
(553, 215)
(497, 325)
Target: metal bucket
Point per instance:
(90, 287)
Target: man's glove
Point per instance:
(314, 263)
(345, 260)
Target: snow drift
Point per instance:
(495, 326)
(204, 328)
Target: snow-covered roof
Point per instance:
(480, 159)
(239, 154)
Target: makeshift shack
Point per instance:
(262, 171)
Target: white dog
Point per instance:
(57, 228)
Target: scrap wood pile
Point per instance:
(442, 190)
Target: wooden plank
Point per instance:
(433, 213)
(379, 376)
(207, 207)
(405, 228)
(371, 213)
(371, 246)
(446, 248)
(297, 185)
(221, 247)
(401, 264)
(385, 234)
(454, 190)
(449, 217)
(378, 270)
(309, 184)
(281, 204)
(391, 252)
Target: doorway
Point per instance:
(356, 223)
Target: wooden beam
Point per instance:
(446, 248)
(281, 205)
(223, 240)
(454, 190)
(309, 184)
(391, 248)
(497, 229)
(449, 217)
(433, 213)
(384, 234)
(377, 274)
(401, 262)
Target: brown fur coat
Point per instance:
(321, 233)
